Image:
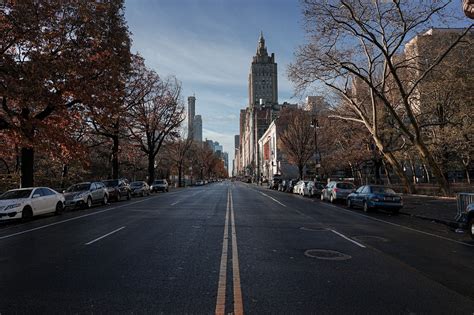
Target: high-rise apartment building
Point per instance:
(263, 85)
(197, 129)
(191, 114)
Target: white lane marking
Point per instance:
(220, 301)
(401, 226)
(72, 219)
(347, 238)
(272, 199)
(105, 235)
(175, 203)
(238, 304)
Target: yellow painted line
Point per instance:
(220, 303)
(238, 305)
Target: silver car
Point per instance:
(84, 195)
(337, 191)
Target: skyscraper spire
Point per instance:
(261, 49)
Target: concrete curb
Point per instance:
(452, 224)
(428, 196)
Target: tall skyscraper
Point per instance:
(191, 113)
(197, 129)
(263, 85)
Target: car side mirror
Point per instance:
(36, 195)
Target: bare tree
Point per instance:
(297, 141)
(362, 40)
(155, 119)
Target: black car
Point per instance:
(117, 189)
(274, 183)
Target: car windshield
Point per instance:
(78, 187)
(16, 194)
(136, 184)
(382, 190)
(110, 183)
(345, 185)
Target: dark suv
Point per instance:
(117, 189)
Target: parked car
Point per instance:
(371, 197)
(317, 189)
(84, 195)
(291, 185)
(159, 185)
(273, 184)
(140, 188)
(299, 187)
(118, 188)
(466, 219)
(336, 191)
(282, 185)
(313, 189)
(28, 202)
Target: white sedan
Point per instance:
(27, 202)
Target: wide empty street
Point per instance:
(231, 247)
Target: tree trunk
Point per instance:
(387, 172)
(180, 174)
(438, 173)
(300, 171)
(427, 173)
(115, 157)
(409, 187)
(27, 167)
(151, 168)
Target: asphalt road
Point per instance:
(231, 248)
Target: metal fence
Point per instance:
(463, 199)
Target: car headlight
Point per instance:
(15, 205)
(80, 196)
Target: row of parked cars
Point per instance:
(367, 197)
(25, 203)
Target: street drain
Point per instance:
(313, 229)
(326, 254)
(364, 238)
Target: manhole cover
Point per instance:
(363, 238)
(313, 229)
(326, 254)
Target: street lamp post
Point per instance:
(314, 124)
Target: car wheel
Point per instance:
(104, 201)
(331, 198)
(89, 203)
(59, 208)
(366, 207)
(129, 196)
(470, 227)
(349, 203)
(27, 213)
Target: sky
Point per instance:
(209, 44)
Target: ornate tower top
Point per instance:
(261, 49)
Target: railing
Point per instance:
(463, 199)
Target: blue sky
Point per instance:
(208, 45)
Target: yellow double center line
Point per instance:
(221, 290)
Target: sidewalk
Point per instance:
(441, 210)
